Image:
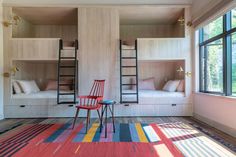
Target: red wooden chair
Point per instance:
(91, 101)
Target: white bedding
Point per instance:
(154, 96)
(42, 94)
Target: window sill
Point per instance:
(217, 96)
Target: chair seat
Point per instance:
(107, 102)
(90, 107)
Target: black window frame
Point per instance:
(227, 56)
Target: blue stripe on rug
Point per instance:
(134, 134)
(57, 133)
(80, 136)
(125, 133)
(97, 135)
(116, 135)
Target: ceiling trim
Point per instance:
(70, 3)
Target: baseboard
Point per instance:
(216, 125)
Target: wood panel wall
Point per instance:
(66, 32)
(162, 71)
(132, 32)
(23, 29)
(1, 63)
(34, 49)
(98, 30)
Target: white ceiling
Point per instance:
(47, 16)
(150, 15)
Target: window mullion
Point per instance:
(228, 56)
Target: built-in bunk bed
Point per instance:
(160, 78)
(43, 51)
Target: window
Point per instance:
(213, 29)
(218, 56)
(233, 18)
(212, 65)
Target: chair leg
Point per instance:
(76, 115)
(87, 121)
(99, 115)
(101, 119)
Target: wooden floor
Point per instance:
(8, 124)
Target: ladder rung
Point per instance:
(127, 49)
(67, 84)
(129, 66)
(129, 93)
(67, 75)
(129, 84)
(128, 102)
(67, 102)
(67, 58)
(67, 66)
(129, 57)
(128, 75)
(66, 93)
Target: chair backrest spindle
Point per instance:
(97, 88)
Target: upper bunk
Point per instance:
(154, 44)
(38, 31)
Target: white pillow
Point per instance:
(180, 87)
(28, 86)
(171, 86)
(16, 87)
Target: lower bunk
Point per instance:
(151, 103)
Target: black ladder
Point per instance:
(64, 64)
(124, 75)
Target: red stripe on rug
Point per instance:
(23, 134)
(36, 145)
(14, 132)
(172, 148)
(45, 134)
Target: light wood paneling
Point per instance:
(66, 32)
(1, 62)
(162, 48)
(161, 71)
(132, 32)
(48, 15)
(98, 30)
(23, 29)
(34, 49)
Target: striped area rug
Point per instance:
(174, 139)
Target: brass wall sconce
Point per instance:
(189, 23)
(14, 21)
(12, 72)
(180, 69)
(188, 74)
(181, 20)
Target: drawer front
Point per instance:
(175, 110)
(26, 111)
(62, 110)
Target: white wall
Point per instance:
(1, 63)
(217, 111)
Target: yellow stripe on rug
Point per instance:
(92, 131)
(141, 134)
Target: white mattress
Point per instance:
(154, 96)
(42, 94)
